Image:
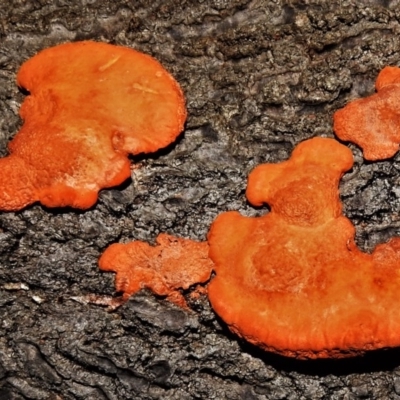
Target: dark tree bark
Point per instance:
(259, 76)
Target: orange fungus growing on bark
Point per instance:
(89, 106)
(373, 123)
(293, 281)
(173, 264)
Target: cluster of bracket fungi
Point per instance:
(292, 281)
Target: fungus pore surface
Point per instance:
(293, 281)
(173, 264)
(89, 105)
(373, 123)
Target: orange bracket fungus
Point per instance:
(373, 123)
(293, 281)
(172, 264)
(90, 105)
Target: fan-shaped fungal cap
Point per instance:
(373, 122)
(293, 281)
(173, 264)
(90, 104)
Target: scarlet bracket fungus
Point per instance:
(293, 281)
(173, 264)
(90, 105)
(373, 123)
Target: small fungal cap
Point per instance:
(173, 264)
(373, 122)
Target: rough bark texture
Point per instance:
(259, 76)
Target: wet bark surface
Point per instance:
(259, 77)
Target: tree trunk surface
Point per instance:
(259, 77)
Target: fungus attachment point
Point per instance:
(173, 264)
(90, 105)
(373, 122)
(293, 281)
